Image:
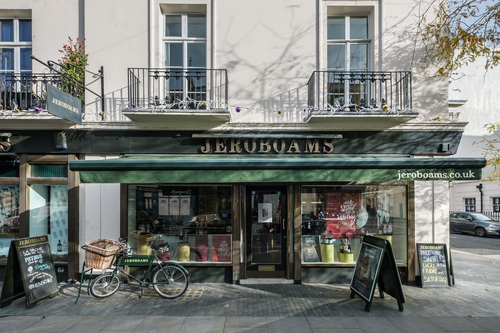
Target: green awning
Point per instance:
(278, 169)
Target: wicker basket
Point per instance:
(100, 253)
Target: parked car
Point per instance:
(474, 223)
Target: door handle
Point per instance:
(283, 224)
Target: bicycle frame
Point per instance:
(122, 259)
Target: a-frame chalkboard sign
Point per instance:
(433, 264)
(30, 271)
(376, 264)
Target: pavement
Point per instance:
(471, 305)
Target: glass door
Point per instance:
(266, 215)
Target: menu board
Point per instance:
(433, 261)
(30, 261)
(376, 264)
(366, 271)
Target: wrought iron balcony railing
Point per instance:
(26, 91)
(335, 91)
(177, 89)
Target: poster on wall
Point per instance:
(59, 222)
(9, 209)
(185, 203)
(265, 212)
(174, 206)
(311, 251)
(163, 206)
(342, 207)
(221, 248)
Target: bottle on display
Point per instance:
(59, 246)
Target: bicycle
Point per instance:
(169, 279)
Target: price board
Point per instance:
(29, 261)
(433, 263)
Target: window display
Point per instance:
(9, 218)
(182, 223)
(334, 218)
(49, 216)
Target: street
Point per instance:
(476, 245)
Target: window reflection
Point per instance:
(334, 219)
(182, 223)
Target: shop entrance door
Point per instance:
(266, 213)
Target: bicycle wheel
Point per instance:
(170, 281)
(105, 285)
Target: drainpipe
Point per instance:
(480, 188)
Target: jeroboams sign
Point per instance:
(267, 146)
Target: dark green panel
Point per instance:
(168, 142)
(272, 163)
(260, 176)
(49, 170)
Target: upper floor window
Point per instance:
(185, 41)
(15, 46)
(185, 48)
(348, 43)
(495, 204)
(470, 204)
(348, 49)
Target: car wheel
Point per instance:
(480, 232)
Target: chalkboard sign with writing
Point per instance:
(366, 271)
(30, 261)
(433, 262)
(376, 265)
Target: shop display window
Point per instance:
(181, 223)
(9, 218)
(49, 216)
(334, 219)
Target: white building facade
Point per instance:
(245, 138)
(473, 100)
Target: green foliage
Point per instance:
(463, 31)
(73, 63)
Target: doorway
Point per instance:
(266, 225)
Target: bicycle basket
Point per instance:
(100, 253)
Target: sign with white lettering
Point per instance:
(64, 105)
(30, 261)
(433, 260)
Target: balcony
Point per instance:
(178, 98)
(23, 100)
(359, 100)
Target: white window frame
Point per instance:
(185, 41)
(16, 45)
(348, 41)
(470, 204)
(495, 204)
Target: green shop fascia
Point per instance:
(293, 208)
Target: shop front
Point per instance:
(301, 218)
